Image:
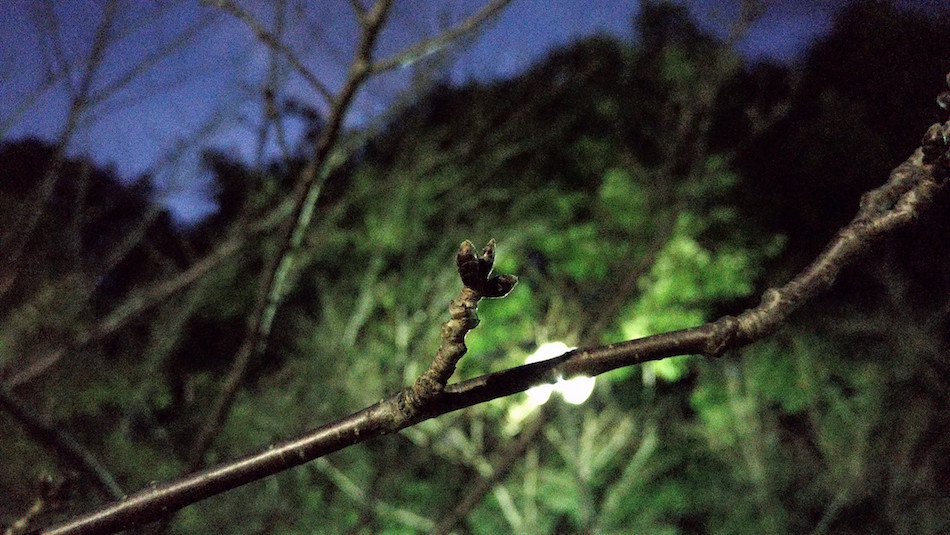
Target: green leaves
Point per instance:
(625, 202)
(576, 252)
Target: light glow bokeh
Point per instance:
(575, 390)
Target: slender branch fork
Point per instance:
(278, 272)
(297, 210)
(908, 192)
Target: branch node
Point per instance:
(475, 273)
(725, 333)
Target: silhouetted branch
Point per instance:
(131, 308)
(908, 192)
(140, 301)
(15, 241)
(275, 278)
(274, 42)
(269, 111)
(358, 8)
(62, 444)
(149, 61)
(84, 98)
(429, 46)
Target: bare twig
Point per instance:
(269, 111)
(15, 242)
(274, 42)
(149, 61)
(358, 9)
(62, 444)
(84, 101)
(908, 192)
(50, 494)
(276, 276)
(27, 103)
(51, 47)
(429, 46)
(140, 301)
(130, 309)
(78, 216)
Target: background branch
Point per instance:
(483, 485)
(273, 41)
(15, 241)
(276, 275)
(908, 193)
(62, 444)
(434, 44)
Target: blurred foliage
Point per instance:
(635, 189)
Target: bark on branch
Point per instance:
(478, 283)
(908, 192)
(277, 273)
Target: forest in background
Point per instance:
(634, 188)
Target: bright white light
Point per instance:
(575, 390)
(548, 351)
(538, 395)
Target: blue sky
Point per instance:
(208, 85)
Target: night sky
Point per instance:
(211, 85)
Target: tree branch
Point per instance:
(275, 43)
(51, 494)
(474, 272)
(15, 241)
(155, 294)
(65, 446)
(306, 192)
(908, 192)
(429, 46)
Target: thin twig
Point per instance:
(142, 300)
(50, 493)
(274, 42)
(358, 9)
(882, 211)
(15, 242)
(27, 103)
(84, 100)
(131, 308)
(269, 112)
(62, 444)
(149, 61)
(429, 46)
(276, 276)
